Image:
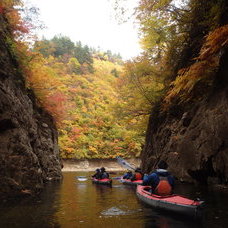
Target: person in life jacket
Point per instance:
(128, 175)
(104, 174)
(137, 175)
(160, 180)
(97, 174)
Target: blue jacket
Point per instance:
(153, 178)
(104, 175)
(127, 176)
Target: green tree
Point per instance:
(63, 45)
(84, 56)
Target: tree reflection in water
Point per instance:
(75, 203)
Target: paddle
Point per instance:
(124, 163)
(82, 178)
(117, 178)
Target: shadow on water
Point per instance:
(32, 212)
(75, 203)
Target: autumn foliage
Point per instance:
(38, 77)
(183, 43)
(83, 95)
(204, 68)
(100, 104)
(77, 86)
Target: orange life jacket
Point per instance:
(138, 176)
(163, 188)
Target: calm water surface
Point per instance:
(74, 203)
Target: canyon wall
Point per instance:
(29, 154)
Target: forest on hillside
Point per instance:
(100, 103)
(83, 99)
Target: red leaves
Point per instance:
(1, 10)
(55, 105)
(57, 98)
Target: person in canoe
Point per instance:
(138, 175)
(104, 174)
(97, 174)
(128, 175)
(160, 180)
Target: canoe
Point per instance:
(105, 181)
(129, 182)
(173, 203)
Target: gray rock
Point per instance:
(195, 144)
(29, 152)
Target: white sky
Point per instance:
(90, 21)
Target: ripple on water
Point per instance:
(115, 211)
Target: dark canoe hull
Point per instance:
(102, 181)
(173, 203)
(129, 182)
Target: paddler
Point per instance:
(160, 180)
(128, 175)
(104, 174)
(138, 175)
(97, 174)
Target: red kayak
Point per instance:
(129, 182)
(105, 181)
(174, 203)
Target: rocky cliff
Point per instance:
(192, 134)
(29, 154)
(193, 138)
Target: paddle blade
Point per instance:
(81, 178)
(124, 163)
(117, 178)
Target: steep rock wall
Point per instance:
(193, 138)
(29, 154)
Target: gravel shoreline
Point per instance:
(91, 165)
(70, 169)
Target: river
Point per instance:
(74, 203)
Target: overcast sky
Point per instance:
(90, 21)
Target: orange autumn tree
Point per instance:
(38, 77)
(200, 74)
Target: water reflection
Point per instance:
(35, 212)
(75, 203)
